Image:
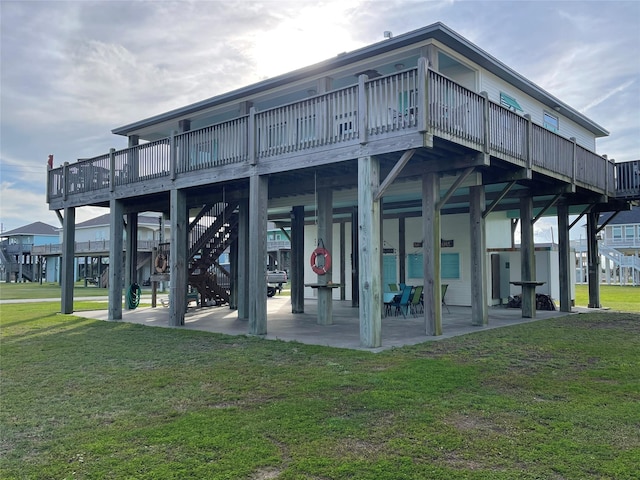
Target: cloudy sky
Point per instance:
(73, 70)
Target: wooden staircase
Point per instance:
(210, 234)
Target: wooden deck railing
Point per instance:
(97, 246)
(384, 106)
(628, 179)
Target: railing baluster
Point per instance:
(400, 101)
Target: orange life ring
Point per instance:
(321, 252)
(161, 263)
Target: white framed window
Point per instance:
(629, 232)
(617, 232)
(551, 122)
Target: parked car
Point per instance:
(275, 280)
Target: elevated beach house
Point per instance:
(406, 161)
(17, 261)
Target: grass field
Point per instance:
(615, 297)
(19, 291)
(622, 298)
(84, 399)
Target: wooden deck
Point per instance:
(387, 114)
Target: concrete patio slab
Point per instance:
(397, 331)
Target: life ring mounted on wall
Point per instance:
(161, 263)
(324, 265)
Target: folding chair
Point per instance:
(393, 287)
(444, 292)
(402, 305)
(415, 300)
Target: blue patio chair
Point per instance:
(402, 305)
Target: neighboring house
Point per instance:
(407, 160)
(278, 248)
(16, 258)
(92, 246)
(620, 247)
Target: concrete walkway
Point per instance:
(344, 333)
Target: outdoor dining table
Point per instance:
(387, 298)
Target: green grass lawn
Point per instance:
(84, 399)
(616, 297)
(19, 291)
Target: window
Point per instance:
(389, 270)
(449, 265)
(551, 122)
(509, 102)
(617, 233)
(629, 232)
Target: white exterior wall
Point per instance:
(547, 270)
(453, 227)
(311, 243)
(493, 86)
(101, 232)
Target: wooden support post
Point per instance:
(297, 259)
(423, 96)
(529, 142)
(402, 249)
(325, 238)
(564, 259)
(65, 180)
(479, 310)
(363, 116)
(574, 160)
(343, 277)
(131, 252)
(431, 253)
(251, 137)
(593, 260)
(112, 169)
(527, 257)
(68, 252)
(369, 253)
(486, 122)
(355, 259)
(258, 199)
(173, 156)
(86, 272)
(243, 259)
(178, 249)
(116, 270)
(233, 275)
